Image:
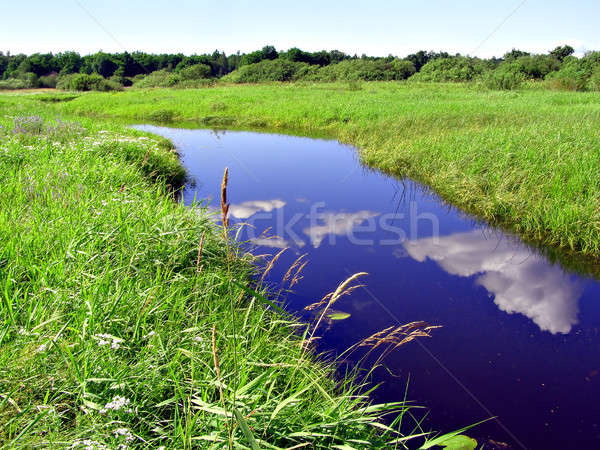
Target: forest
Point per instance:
(557, 69)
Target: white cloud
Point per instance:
(337, 224)
(276, 242)
(248, 209)
(521, 282)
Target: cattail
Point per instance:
(224, 204)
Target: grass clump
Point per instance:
(127, 319)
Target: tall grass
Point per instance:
(527, 160)
(129, 320)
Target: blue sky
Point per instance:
(374, 27)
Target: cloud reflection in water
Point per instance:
(521, 281)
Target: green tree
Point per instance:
(561, 53)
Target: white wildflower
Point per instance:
(88, 444)
(41, 348)
(116, 404)
(107, 339)
(125, 433)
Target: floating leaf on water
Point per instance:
(460, 442)
(338, 315)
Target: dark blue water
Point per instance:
(519, 337)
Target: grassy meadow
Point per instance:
(527, 160)
(129, 321)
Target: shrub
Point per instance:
(270, 70)
(85, 82)
(190, 77)
(195, 72)
(48, 81)
(536, 66)
(577, 74)
(594, 81)
(505, 77)
(452, 69)
(366, 70)
(120, 80)
(12, 83)
(158, 78)
(27, 80)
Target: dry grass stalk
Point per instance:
(146, 157)
(224, 204)
(342, 289)
(271, 264)
(199, 258)
(393, 337)
(293, 266)
(296, 278)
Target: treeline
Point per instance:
(113, 71)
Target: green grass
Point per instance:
(527, 160)
(107, 323)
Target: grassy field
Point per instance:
(119, 329)
(528, 160)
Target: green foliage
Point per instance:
(84, 82)
(270, 70)
(452, 69)
(13, 83)
(422, 57)
(577, 74)
(515, 54)
(48, 81)
(196, 75)
(536, 66)
(268, 52)
(195, 72)
(560, 53)
(28, 80)
(505, 77)
(366, 70)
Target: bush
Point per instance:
(27, 80)
(505, 77)
(271, 70)
(366, 70)
(12, 83)
(195, 72)
(536, 66)
(452, 69)
(85, 82)
(120, 80)
(195, 76)
(577, 74)
(159, 78)
(594, 81)
(48, 81)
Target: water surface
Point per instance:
(520, 335)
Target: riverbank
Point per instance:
(527, 160)
(122, 325)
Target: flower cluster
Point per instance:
(107, 339)
(116, 404)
